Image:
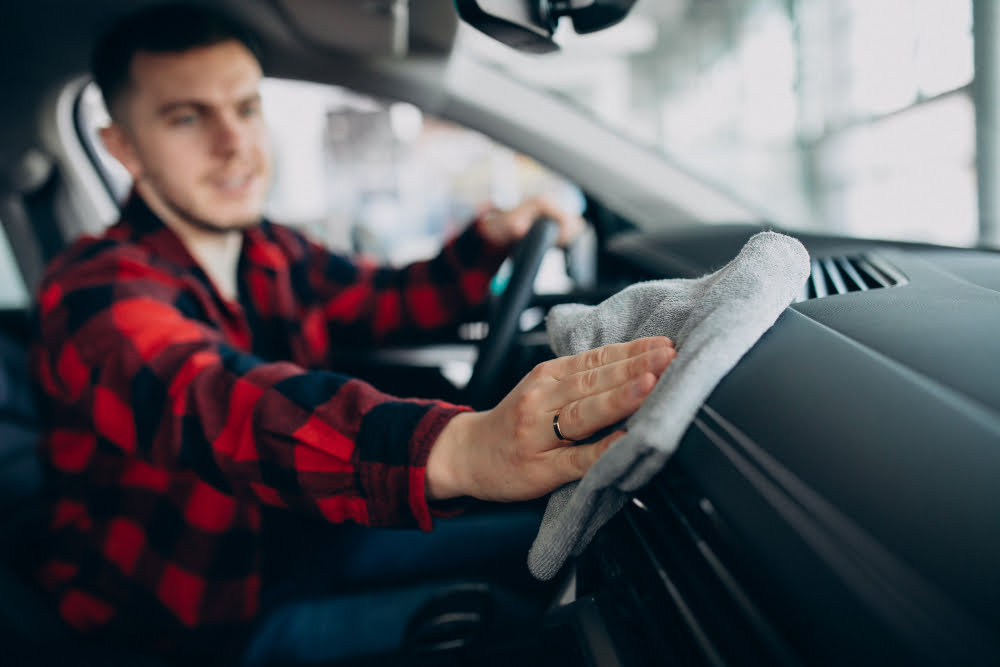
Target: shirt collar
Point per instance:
(142, 226)
(145, 228)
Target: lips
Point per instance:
(235, 184)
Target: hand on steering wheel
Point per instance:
(505, 320)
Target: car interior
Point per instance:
(834, 500)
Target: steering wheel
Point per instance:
(505, 320)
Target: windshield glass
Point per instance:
(844, 116)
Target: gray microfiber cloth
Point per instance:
(713, 321)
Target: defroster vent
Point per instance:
(842, 274)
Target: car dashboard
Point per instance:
(833, 501)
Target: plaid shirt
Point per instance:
(176, 416)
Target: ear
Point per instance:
(119, 143)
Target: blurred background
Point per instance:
(852, 116)
(847, 116)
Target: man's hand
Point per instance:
(512, 453)
(505, 227)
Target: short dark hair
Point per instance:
(163, 28)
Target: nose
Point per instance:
(231, 136)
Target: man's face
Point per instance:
(192, 136)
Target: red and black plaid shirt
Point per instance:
(175, 415)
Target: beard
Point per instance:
(187, 215)
(204, 224)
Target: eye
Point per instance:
(184, 120)
(250, 109)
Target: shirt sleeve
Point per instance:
(123, 359)
(361, 303)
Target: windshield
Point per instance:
(844, 116)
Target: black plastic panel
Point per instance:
(835, 501)
(910, 462)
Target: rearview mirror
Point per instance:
(528, 25)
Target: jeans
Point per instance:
(350, 591)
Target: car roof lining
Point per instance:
(59, 50)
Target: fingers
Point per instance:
(600, 381)
(504, 227)
(570, 224)
(582, 417)
(607, 355)
(570, 463)
(606, 384)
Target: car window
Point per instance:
(849, 116)
(13, 293)
(370, 176)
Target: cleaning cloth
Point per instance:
(713, 321)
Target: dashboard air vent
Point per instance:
(842, 274)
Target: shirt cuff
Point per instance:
(424, 437)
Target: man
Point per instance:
(182, 353)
